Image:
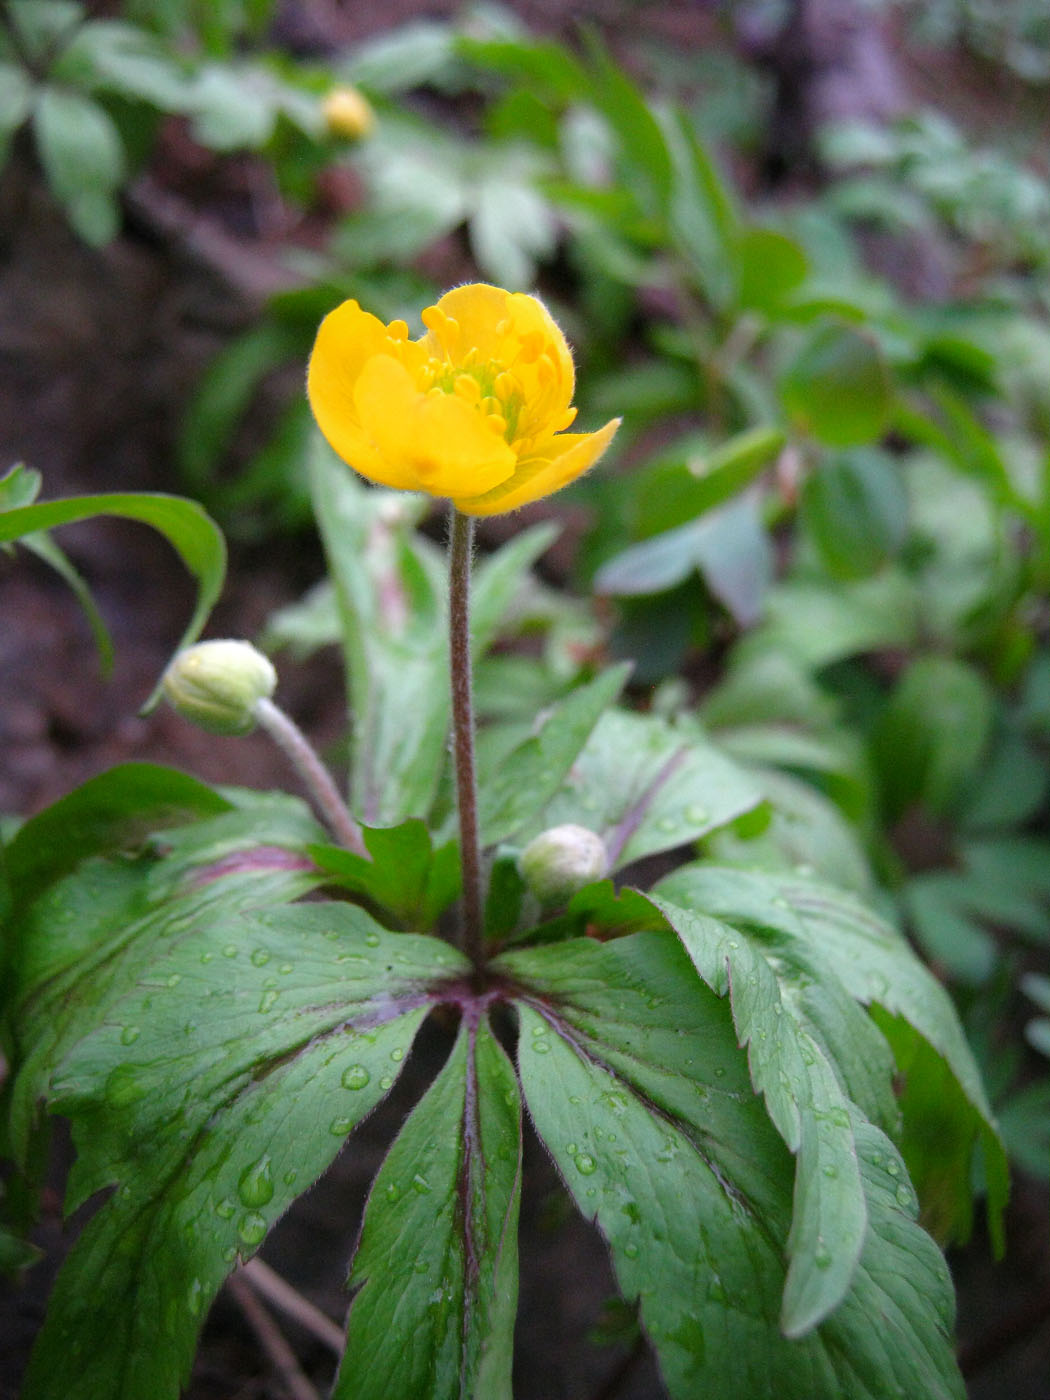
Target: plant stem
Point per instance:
(287, 735)
(281, 1294)
(271, 1339)
(461, 538)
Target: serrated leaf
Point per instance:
(436, 1265)
(653, 1125)
(875, 966)
(527, 776)
(210, 1089)
(189, 530)
(645, 786)
(793, 1071)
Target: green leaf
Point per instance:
(512, 230)
(44, 547)
(838, 387)
(706, 478)
(651, 1120)
(643, 148)
(83, 158)
(499, 578)
(771, 267)
(933, 734)
(391, 593)
(819, 624)
(116, 810)
(855, 508)
(727, 545)
(436, 1268)
(406, 875)
(216, 1079)
(878, 969)
(524, 779)
(16, 100)
(188, 529)
(645, 786)
(111, 56)
(799, 1080)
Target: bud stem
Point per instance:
(288, 737)
(461, 539)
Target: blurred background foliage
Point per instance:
(824, 532)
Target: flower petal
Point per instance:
(433, 441)
(517, 332)
(347, 339)
(564, 458)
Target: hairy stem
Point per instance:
(461, 536)
(287, 735)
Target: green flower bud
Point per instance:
(561, 861)
(217, 684)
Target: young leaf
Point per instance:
(644, 786)
(653, 1125)
(210, 1090)
(437, 1263)
(406, 875)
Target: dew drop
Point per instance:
(631, 1251)
(696, 814)
(230, 950)
(255, 1187)
(585, 1164)
(174, 979)
(541, 1047)
(716, 1290)
(393, 1192)
(266, 1001)
(252, 1227)
(226, 1208)
(903, 1195)
(892, 1167)
(397, 1055)
(206, 958)
(667, 824)
(831, 1171)
(355, 1077)
(195, 1298)
(285, 968)
(129, 1035)
(420, 1185)
(339, 1127)
(290, 1177)
(822, 1256)
(385, 1082)
(372, 940)
(260, 957)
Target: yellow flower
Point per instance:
(348, 113)
(474, 410)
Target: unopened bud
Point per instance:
(561, 861)
(217, 685)
(348, 113)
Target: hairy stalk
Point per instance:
(461, 537)
(287, 735)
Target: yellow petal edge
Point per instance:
(474, 410)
